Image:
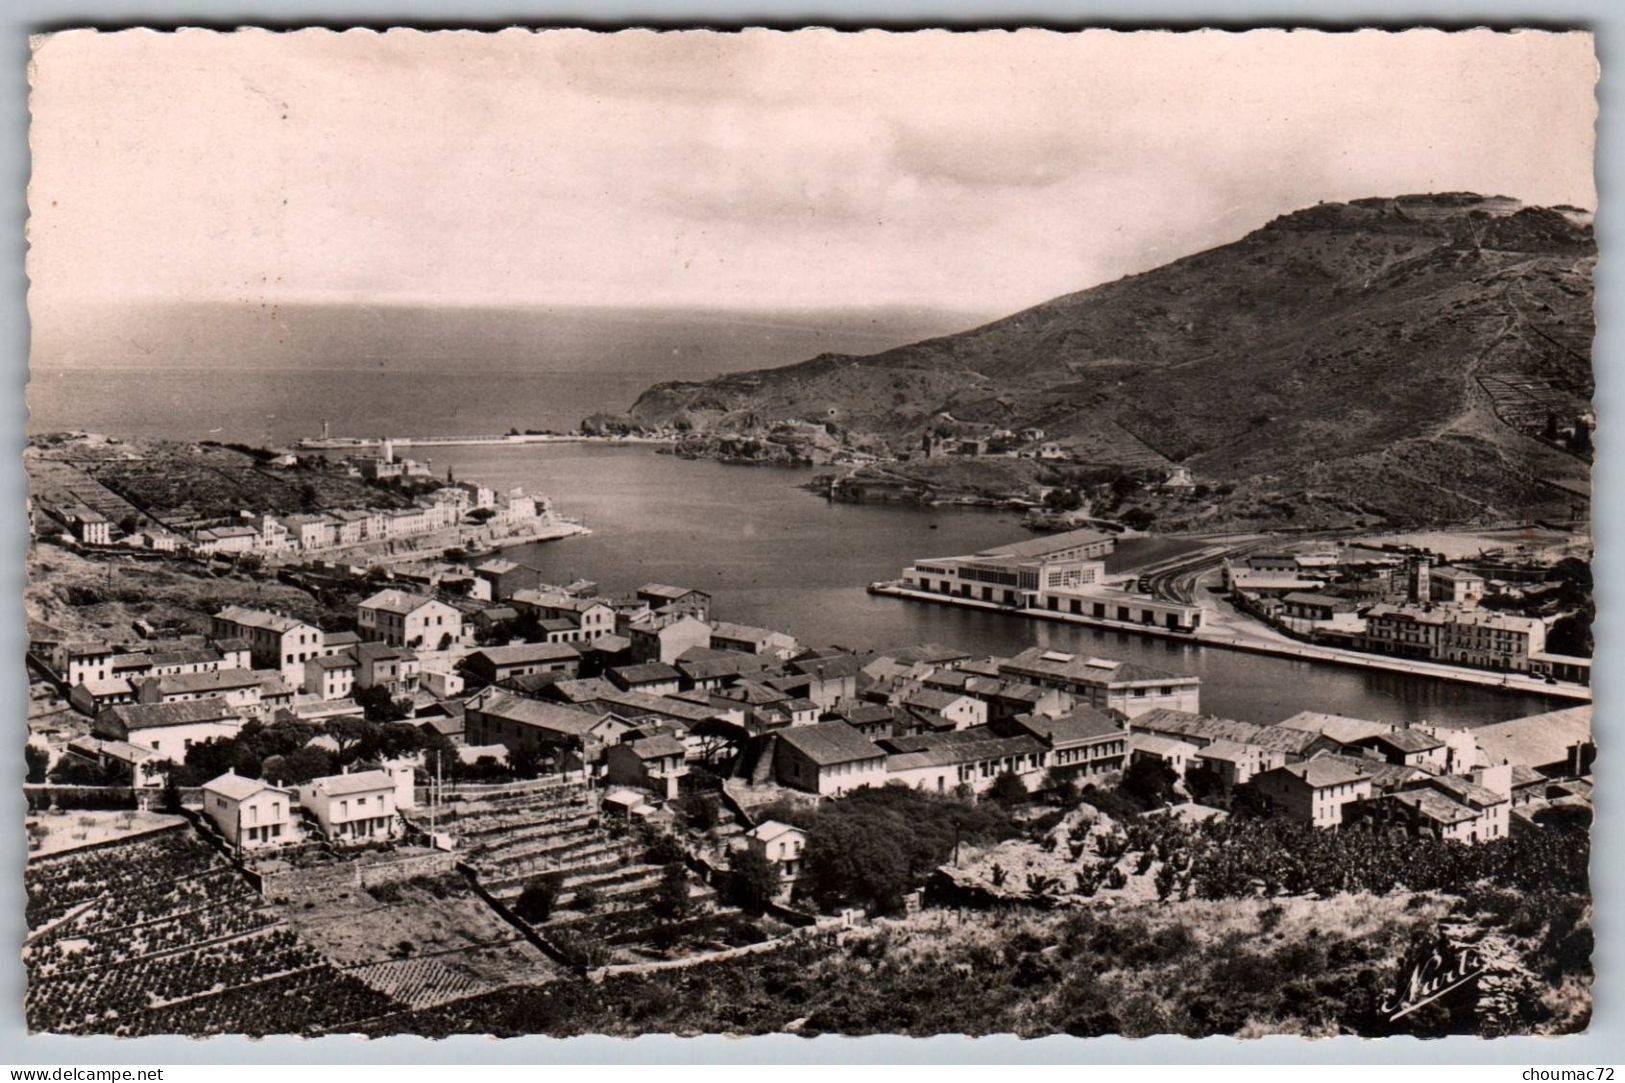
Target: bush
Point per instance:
(586, 900)
(1008, 789)
(874, 846)
(1149, 783)
(539, 897)
(699, 812)
(753, 880)
(671, 901)
(663, 850)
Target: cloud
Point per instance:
(759, 168)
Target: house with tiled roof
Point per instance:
(749, 639)
(353, 807)
(576, 737)
(1406, 747)
(656, 763)
(275, 640)
(169, 729)
(830, 759)
(1127, 687)
(1084, 741)
(655, 678)
(1316, 790)
(665, 638)
(250, 813)
(1450, 807)
(781, 845)
(493, 665)
(972, 758)
(1177, 754)
(404, 619)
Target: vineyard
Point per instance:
(160, 935)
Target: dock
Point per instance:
(364, 443)
(1511, 682)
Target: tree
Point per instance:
(300, 765)
(671, 901)
(524, 762)
(1149, 782)
(539, 897)
(38, 761)
(1063, 787)
(377, 705)
(347, 733)
(1137, 518)
(753, 880)
(1008, 789)
(72, 771)
(875, 845)
(1165, 881)
(1062, 499)
(699, 812)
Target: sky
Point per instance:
(983, 172)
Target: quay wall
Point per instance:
(1205, 638)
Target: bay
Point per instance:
(772, 554)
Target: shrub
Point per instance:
(539, 897)
(1008, 789)
(753, 880)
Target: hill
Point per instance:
(1413, 359)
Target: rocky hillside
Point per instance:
(1411, 358)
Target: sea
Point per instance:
(769, 551)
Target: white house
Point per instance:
(353, 807)
(169, 729)
(403, 619)
(251, 813)
(275, 641)
(782, 845)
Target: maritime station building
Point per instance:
(1063, 574)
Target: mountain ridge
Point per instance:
(1420, 337)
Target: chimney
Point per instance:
(1495, 779)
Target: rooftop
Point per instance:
(649, 748)
(1078, 726)
(237, 787)
(1324, 771)
(1536, 740)
(354, 782)
(830, 743)
(259, 618)
(520, 653)
(1085, 669)
(140, 716)
(394, 600)
(644, 673)
(554, 717)
(1047, 544)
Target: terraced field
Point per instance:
(159, 935)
